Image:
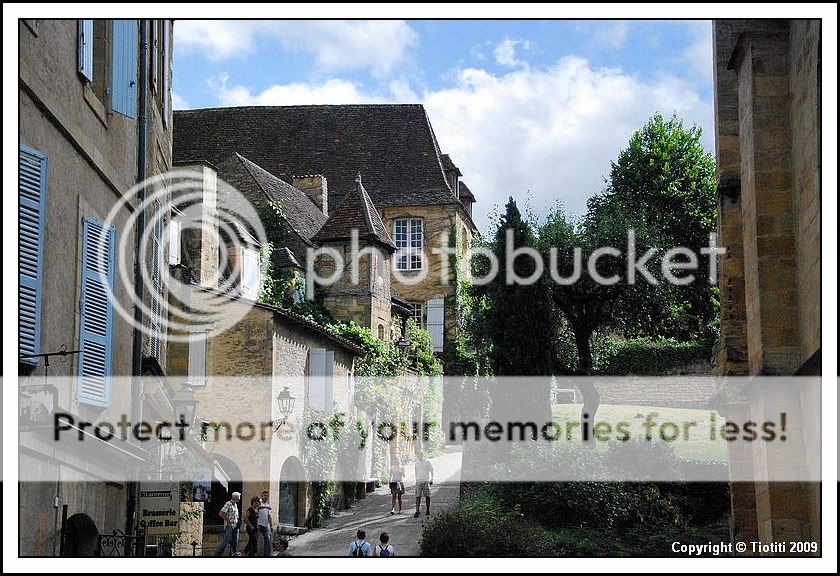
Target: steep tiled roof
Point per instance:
(448, 164)
(285, 258)
(392, 145)
(465, 192)
(298, 210)
(356, 212)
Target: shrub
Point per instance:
(646, 356)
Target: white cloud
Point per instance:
(178, 102)
(378, 45)
(551, 132)
(548, 131)
(333, 91)
(505, 52)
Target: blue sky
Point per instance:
(532, 109)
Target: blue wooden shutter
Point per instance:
(124, 68)
(32, 193)
(97, 312)
(167, 68)
(86, 49)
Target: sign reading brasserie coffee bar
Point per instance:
(159, 508)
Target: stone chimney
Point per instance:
(315, 188)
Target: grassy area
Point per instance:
(697, 447)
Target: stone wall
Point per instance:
(806, 135)
(92, 162)
(767, 124)
(440, 278)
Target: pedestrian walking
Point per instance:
(359, 547)
(383, 549)
(424, 477)
(397, 486)
(230, 514)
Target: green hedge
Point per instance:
(645, 356)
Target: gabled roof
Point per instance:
(393, 145)
(356, 212)
(285, 258)
(298, 210)
(449, 165)
(465, 192)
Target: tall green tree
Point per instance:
(520, 318)
(663, 186)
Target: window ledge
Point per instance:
(96, 104)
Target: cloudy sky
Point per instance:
(530, 109)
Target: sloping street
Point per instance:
(372, 515)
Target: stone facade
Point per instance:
(767, 128)
(439, 276)
(92, 160)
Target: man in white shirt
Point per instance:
(264, 523)
(424, 476)
(230, 514)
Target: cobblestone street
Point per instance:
(372, 515)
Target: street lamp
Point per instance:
(285, 402)
(185, 404)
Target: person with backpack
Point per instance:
(383, 549)
(359, 547)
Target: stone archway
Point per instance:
(80, 536)
(292, 501)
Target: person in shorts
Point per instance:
(397, 486)
(424, 476)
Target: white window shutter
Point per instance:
(174, 242)
(435, 321)
(250, 273)
(86, 49)
(317, 382)
(197, 369)
(329, 363)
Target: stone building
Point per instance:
(415, 188)
(365, 298)
(767, 76)
(84, 116)
(237, 374)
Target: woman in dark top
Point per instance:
(251, 517)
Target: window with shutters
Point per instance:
(86, 49)
(408, 237)
(96, 311)
(197, 368)
(32, 192)
(94, 57)
(125, 40)
(251, 277)
(435, 322)
(320, 380)
(417, 313)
